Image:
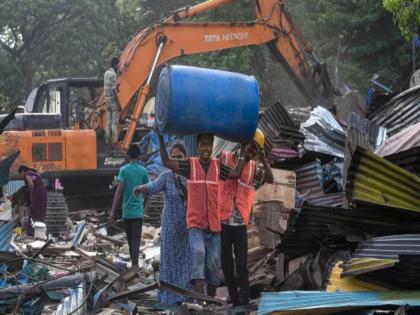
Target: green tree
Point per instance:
(40, 39)
(357, 39)
(406, 14)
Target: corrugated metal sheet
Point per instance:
(369, 134)
(337, 283)
(281, 153)
(313, 227)
(72, 304)
(300, 302)
(6, 235)
(299, 114)
(380, 98)
(402, 141)
(409, 160)
(374, 179)
(323, 133)
(13, 186)
(361, 133)
(328, 200)
(389, 247)
(405, 275)
(358, 266)
(309, 177)
(153, 209)
(400, 112)
(278, 127)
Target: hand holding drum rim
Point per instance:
(259, 153)
(246, 151)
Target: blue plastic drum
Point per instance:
(191, 100)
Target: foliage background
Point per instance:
(42, 39)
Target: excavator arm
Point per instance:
(171, 38)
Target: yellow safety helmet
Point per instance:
(259, 138)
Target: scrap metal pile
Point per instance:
(350, 243)
(85, 271)
(337, 233)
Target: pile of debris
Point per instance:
(85, 272)
(337, 231)
(350, 242)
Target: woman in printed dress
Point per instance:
(175, 266)
(37, 196)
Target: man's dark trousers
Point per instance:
(238, 286)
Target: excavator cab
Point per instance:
(59, 104)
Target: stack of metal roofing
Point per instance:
(408, 159)
(391, 260)
(309, 178)
(320, 185)
(403, 149)
(369, 243)
(367, 134)
(373, 179)
(329, 200)
(314, 227)
(280, 131)
(323, 133)
(400, 112)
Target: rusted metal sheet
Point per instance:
(373, 179)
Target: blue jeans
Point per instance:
(205, 251)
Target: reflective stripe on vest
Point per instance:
(242, 190)
(203, 194)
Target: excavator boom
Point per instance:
(171, 38)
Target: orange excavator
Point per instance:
(171, 38)
(76, 153)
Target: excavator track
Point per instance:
(56, 213)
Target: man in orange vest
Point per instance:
(236, 202)
(203, 213)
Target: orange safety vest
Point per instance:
(241, 191)
(203, 194)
